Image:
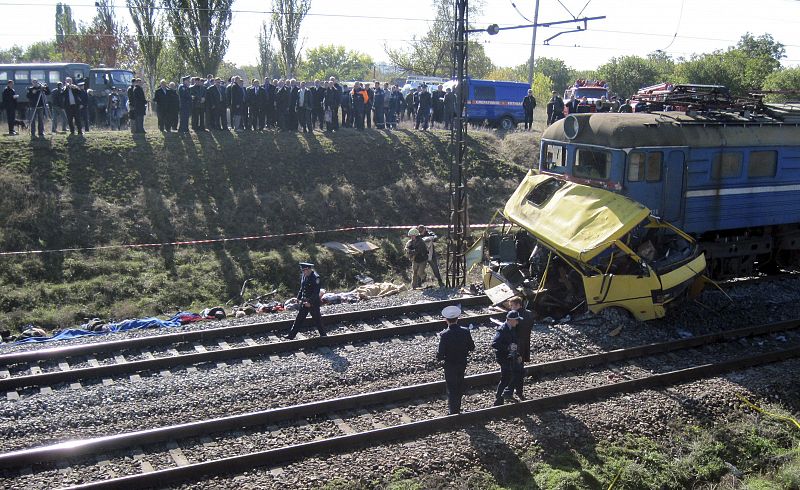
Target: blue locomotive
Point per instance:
(733, 182)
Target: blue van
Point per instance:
(494, 103)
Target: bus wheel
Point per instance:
(507, 123)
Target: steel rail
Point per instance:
(70, 449)
(55, 377)
(426, 427)
(232, 331)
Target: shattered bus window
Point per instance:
(544, 191)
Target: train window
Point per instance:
(592, 164)
(3, 76)
(762, 164)
(38, 75)
(555, 158)
(484, 93)
(21, 76)
(53, 77)
(726, 165)
(652, 171)
(635, 166)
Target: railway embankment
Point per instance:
(111, 189)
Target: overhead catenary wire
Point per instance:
(677, 27)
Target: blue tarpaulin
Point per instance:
(122, 326)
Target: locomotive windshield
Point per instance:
(592, 164)
(555, 158)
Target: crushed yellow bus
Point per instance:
(597, 248)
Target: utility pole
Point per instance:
(533, 43)
(458, 228)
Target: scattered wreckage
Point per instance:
(576, 247)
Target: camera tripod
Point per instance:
(39, 99)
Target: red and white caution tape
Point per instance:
(224, 240)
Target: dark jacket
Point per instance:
(450, 108)
(173, 103)
(138, 100)
(37, 96)
(396, 102)
(237, 97)
(455, 343)
(529, 103)
(357, 99)
(9, 102)
(77, 95)
(378, 99)
(333, 96)
(184, 99)
(425, 100)
(410, 102)
(504, 338)
(282, 99)
(214, 97)
(417, 249)
(198, 93)
(309, 289)
(160, 100)
(318, 98)
(523, 329)
(57, 97)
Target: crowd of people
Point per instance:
(214, 104)
(202, 104)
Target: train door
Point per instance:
(654, 177)
(672, 196)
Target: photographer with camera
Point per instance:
(73, 104)
(37, 100)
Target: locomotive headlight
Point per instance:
(571, 127)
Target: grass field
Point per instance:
(114, 188)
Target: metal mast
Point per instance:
(458, 228)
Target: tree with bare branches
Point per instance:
(267, 58)
(287, 17)
(149, 27)
(199, 27)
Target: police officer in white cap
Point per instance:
(455, 343)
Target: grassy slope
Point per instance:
(112, 188)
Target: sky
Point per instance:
(631, 27)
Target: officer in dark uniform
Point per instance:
(506, 351)
(455, 343)
(185, 104)
(309, 300)
(524, 343)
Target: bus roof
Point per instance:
(29, 66)
(669, 129)
(574, 219)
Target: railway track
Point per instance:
(46, 368)
(153, 457)
(49, 368)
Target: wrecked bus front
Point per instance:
(623, 256)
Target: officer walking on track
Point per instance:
(455, 343)
(506, 350)
(309, 300)
(523, 331)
